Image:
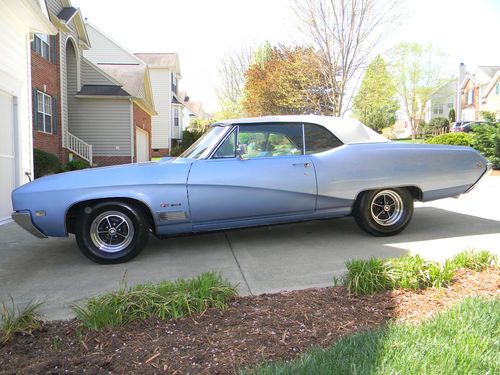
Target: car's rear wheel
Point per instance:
(111, 232)
(384, 212)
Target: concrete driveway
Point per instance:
(260, 260)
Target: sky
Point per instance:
(202, 31)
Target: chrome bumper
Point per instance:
(23, 219)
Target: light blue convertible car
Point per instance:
(243, 173)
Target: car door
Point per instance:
(258, 172)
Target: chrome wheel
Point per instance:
(112, 231)
(387, 207)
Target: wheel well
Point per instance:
(78, 208)
(415, 192)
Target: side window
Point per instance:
(318, 139)
(228, 148)
(265, 140)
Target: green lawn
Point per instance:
(461, 340)
(406, 140)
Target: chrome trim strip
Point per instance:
(23, 219)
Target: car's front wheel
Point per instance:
(111, 232)
(384, 212)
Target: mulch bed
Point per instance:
(252, 330)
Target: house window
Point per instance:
(497, 88)
(438, 109)
(43, 119)
(174, 83)
(176, 116)
(45, 46)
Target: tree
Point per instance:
(231, 72)
(375, 104)
(344, 33)
(288, 81)
(452, 115)
(489, 116)
(418, 72)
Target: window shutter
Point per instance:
(35, 108)
(54, 115)
(33, 44)
(472, 97)
(497, 88)
(53, 41)
(38, 45)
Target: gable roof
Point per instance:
(70, 14)
(105, 50)
(491, 84)
(135, 81)
(161, 60)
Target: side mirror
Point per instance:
(240, 151)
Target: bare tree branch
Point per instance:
(345, 33)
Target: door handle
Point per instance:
(306, 165)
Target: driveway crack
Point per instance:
(238, 263)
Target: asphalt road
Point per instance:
(259, 260)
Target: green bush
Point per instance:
(77, 164)
(457, 139)
(45, 163)
(177, 150)
(486, 139)
(475, 260)
(18, 320)
(435, 123)
(410, 272)
(163, 300)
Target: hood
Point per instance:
(162, 172)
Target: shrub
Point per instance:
(457, 139)
(475, 260)
(486, 139)
(163, 300)
(15, 320)
(177, 150)
(409, 272)
(45, 163)
(452, 115)
(77, 164)
(366, 276)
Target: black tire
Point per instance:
(384, 219)
(101, 244)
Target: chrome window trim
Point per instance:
(218, 144)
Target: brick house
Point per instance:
(478, 92)
(101, 114)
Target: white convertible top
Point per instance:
(346, 129)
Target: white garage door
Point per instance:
(142, 145)
(7, 161)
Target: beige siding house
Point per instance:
(19, 20)
(168, 124)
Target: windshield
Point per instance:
(204, 144)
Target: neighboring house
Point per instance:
(165, 74)
(54, 63)
(101, 114)
(19, 20)
(476, 92)
(442, 101)
(192, 110)
(490, 99)
(129, 105)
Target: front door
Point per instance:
(268, 177)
